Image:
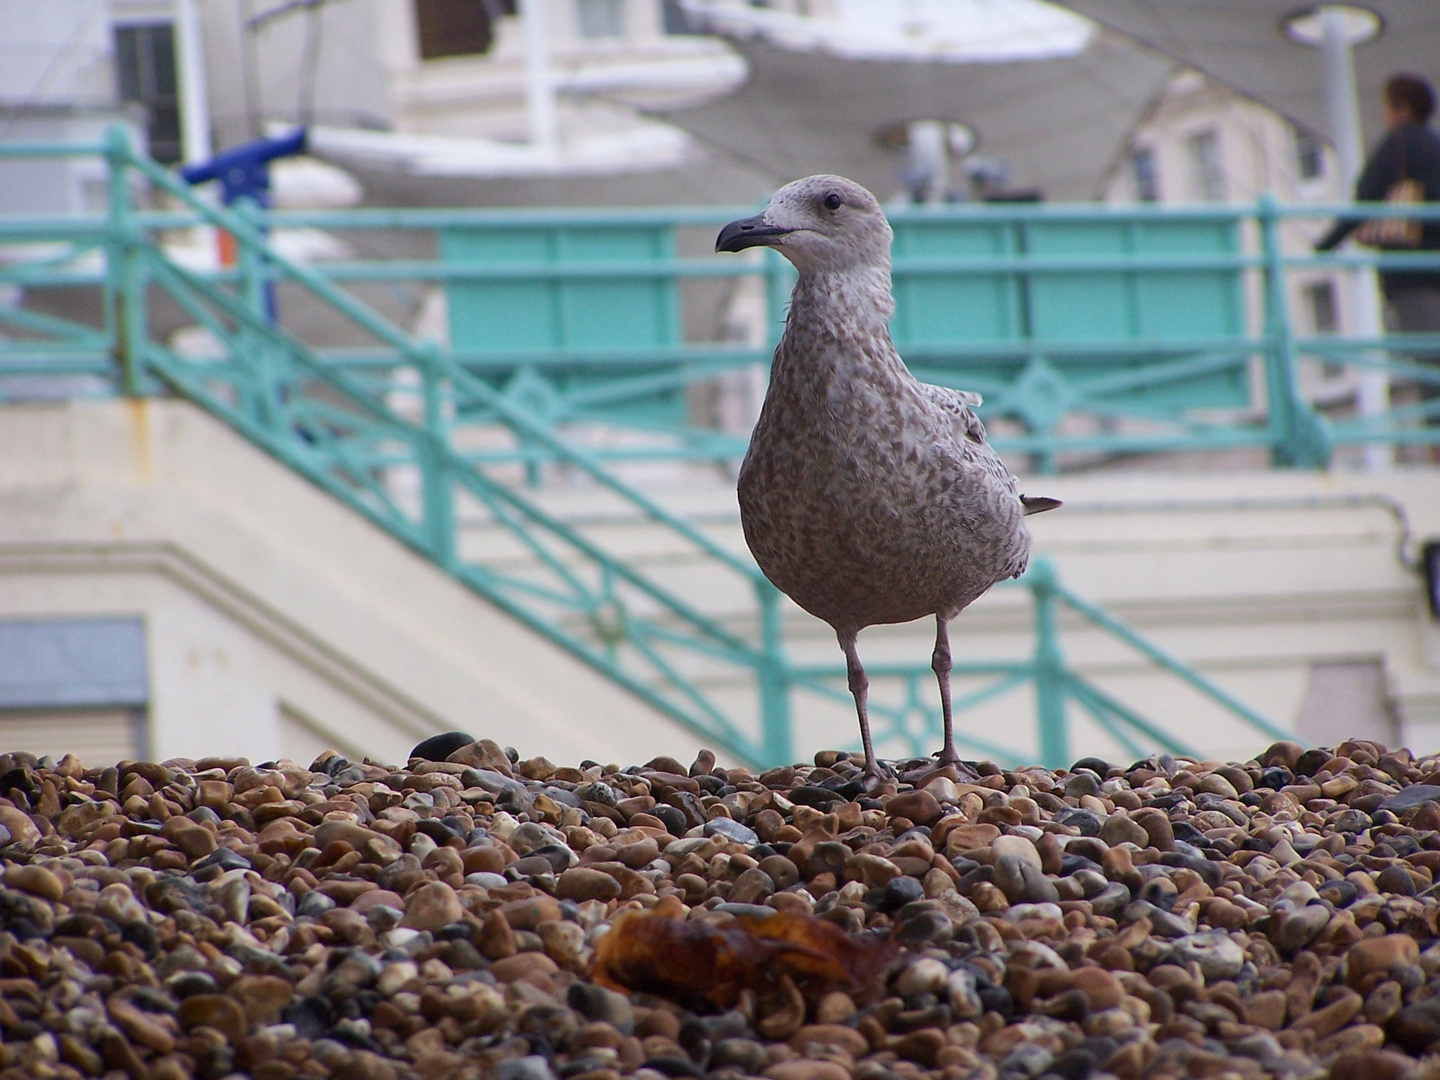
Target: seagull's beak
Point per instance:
(747, 233)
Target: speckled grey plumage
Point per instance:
(866, 496)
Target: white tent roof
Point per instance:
(1243, 43)
(1056, 122)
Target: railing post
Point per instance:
(266, 392)
(437, 490)
(1298, 435)
(773, 676)
(1050, 690)
(124, 269)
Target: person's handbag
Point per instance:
(1396, 232)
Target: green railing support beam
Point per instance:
(437, 482)
(1300, 439)
(773, 678)
(125, 278)
(363, 423)
(1050, 673)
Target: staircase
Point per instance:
(658, 594)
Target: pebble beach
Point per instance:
(475, 914)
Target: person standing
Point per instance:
(1410, 151)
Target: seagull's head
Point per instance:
(820, 223)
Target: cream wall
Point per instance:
(1293, 591)
(277, 620)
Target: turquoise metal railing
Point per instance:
(387, 425)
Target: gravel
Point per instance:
(442, 920)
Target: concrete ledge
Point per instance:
(270, 607)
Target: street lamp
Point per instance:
(1336, 29)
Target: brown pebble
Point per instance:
(814, 1040)
(529, 913)
(22, 830)
(194, 840)
(1266, 1009)
(1101, 989)
(526, 967)
(366, 899)
(920, 807)
(1332, 1017)
(807, 1069)
(35, 879)
(1157, 828)
(921, 1046)
(432, 906)
(1371, 1065)
(154, 1031)
(261, 997)
(1379, 954)
(216, 1011)
(1383, 1002)
(582, 883)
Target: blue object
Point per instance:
(244, 171)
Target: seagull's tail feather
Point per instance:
(1038, 504)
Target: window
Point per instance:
(1324, 313)
(1147, 179)
(145, 62)
(1207, 175)
(458, 27)
(1309, 154)
(600, 18)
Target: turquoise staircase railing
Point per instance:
(388, 426)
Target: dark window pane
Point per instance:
(164, 131)
(162, 47)
(127, 62)
(145, 61)
(455, 27)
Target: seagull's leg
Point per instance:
(860, 689)
(940, 664)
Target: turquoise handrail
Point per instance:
(357, 421)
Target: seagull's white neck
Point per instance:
(856, 299)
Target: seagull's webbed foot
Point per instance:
(951, 756)
(948, 756)
(875, 775)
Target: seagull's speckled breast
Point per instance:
(867, 496)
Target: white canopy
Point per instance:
(1244, 44)
(1057, 122)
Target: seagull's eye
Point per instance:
(832, 201)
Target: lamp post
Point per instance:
(539, 88)
(1336, 29)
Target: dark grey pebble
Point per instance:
(440, 747)
(814, 795)
(1411, 797)
(597, 1003)
(673, 818)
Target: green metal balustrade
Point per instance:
(1092, 330)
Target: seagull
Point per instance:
(867, 496)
